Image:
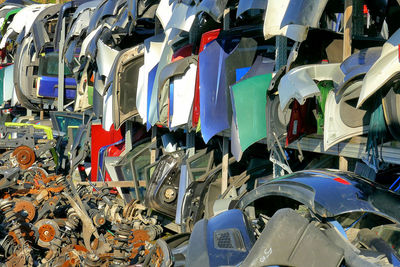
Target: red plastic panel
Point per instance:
(101, 138)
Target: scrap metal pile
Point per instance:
(47, 220)
(169, 133)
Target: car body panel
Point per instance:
(206, 244)
(142, 9)
(213, 96)
(10, 15)
(69, 54)
(4, 9)
(88, 39)
(246, 5)
(83, 98)
(174, 68)
(299, 83)
(152, 54)
(162, 188)
(249, 101)
(357, 65)
(108, 111)
(205, 39)
(84, 6)
(96, 16)
(287, 239)
(329, 193)
(67, 10)
(183, 94)
(391, 108)
(40, 33)
(80, 24)
(342, 119)
(124, 75)
(291, 18)
(104, 59)
(214, 8)
(8, 86)
(176, 85)
(182, 17)
(47, 82)
(164, 12)
(23, 71)
(103, 10)
(183, 185)
(23, 20)
(236, 149)
(386, 68)
(171, 37)
(99, 139)
(48, 87)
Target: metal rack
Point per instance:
(353, 148)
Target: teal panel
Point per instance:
(1, 86)
(249, 98)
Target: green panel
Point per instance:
(324, 87)
(1, 86)
(90, 94)
(7, 18)
(249, 98)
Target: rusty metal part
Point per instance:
(42, 192)
(154, 231)
(92, 260)
(23, 205)
(24, 156)
(169, 194)
(41, 175)
(140, 239)
(14, 237)
(48, 233)
(99, 220)
(133, 212)
(140, 236)
(16, 261)
(88, 228)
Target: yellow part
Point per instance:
(46, 129)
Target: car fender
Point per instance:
(384, 69)
(335, 127)
(292, 18)
(299, 83)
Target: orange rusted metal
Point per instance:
(25, 156)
